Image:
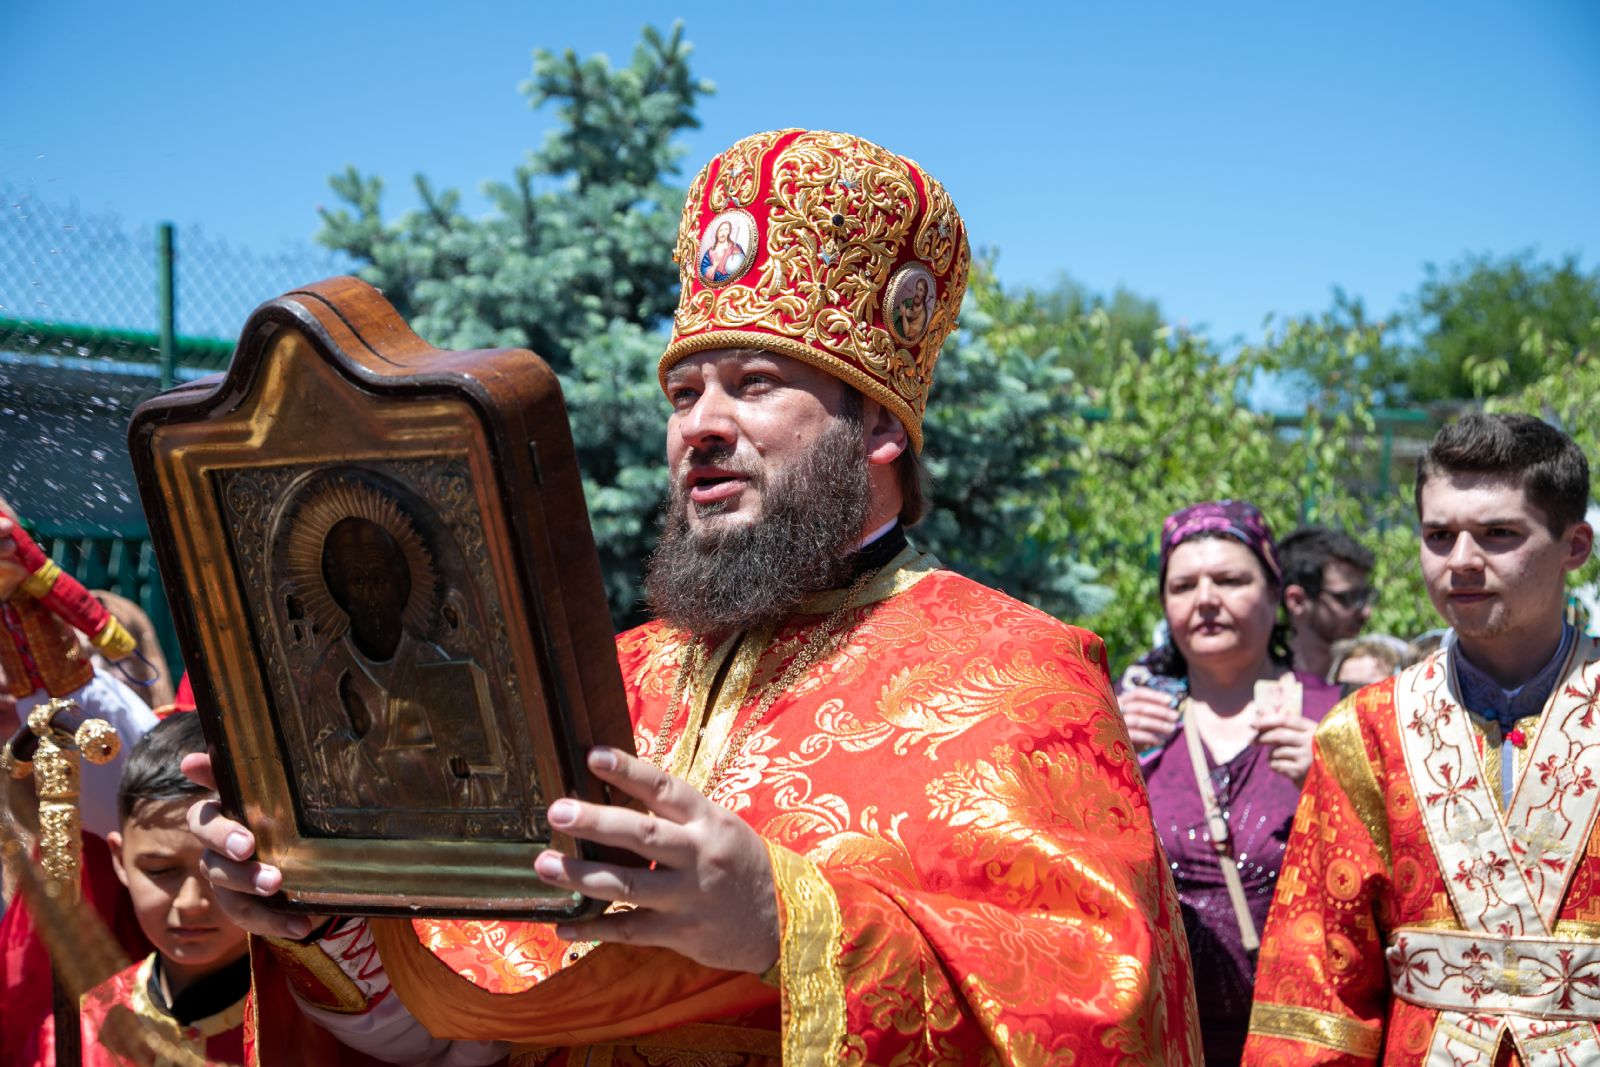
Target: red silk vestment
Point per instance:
(966, 866)
(27, 1025)
(1417, 920)
(117, 1014)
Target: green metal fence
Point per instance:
(97, 315)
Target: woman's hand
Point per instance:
(1151, 715)
(1288, 735)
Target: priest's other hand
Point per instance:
(710, 895)
(238, 881)
(12, 573)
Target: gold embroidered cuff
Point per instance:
(114, 640)
(317, 978)
(811, 931)
(40, 582)
(1337, 1032)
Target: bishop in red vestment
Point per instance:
(894, 815)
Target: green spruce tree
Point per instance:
(575, 263)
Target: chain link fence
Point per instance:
(81, 318)
(61, 264)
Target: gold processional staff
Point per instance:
(57, 736)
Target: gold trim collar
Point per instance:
(899, 574)
(227, 1019)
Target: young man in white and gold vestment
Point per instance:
(1440, 899)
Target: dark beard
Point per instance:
(814, 512)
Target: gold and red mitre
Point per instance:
(825, 248)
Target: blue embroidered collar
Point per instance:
(1483, 696)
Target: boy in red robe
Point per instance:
(191, 991)
(40, 658)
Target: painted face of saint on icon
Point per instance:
(368, 578)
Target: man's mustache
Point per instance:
(720, 456)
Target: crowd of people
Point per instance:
(894, 816)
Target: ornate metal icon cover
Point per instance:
(390, 605)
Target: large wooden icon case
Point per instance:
(386, 588)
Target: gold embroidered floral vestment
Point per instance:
(965, 861)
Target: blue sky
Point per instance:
(1228, 159)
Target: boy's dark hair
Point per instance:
(1305, 551)
(1528, 452)
(151, 775)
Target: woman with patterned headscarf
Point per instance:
(1224, 727)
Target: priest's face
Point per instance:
(1494, 569)
(770, 492)
(738, 417)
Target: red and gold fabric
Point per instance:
(118, 1020)
(62, 596)
(828, 249)
(966, 867)
(37, 650)
(1417, 921)
(276, 1031)
(26, 1023)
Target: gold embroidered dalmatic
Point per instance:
(1418, 920)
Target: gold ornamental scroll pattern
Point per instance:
(936, 237)
(839, 211)
(738, 179)
(686, 254)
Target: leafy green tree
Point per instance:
(1567, 395)
(1375, 371)
(998, 419)
(1045, 322)
(1481, 327)
(1475, 321)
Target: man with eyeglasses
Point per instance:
(1326, 591)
